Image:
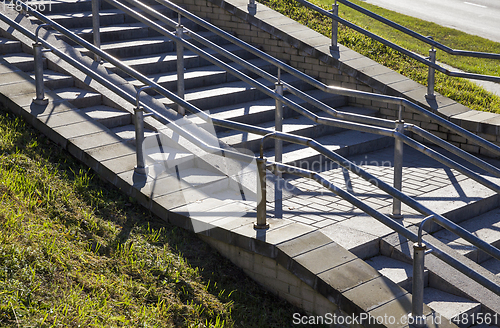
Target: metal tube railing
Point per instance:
(337, 90)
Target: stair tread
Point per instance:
(49, 75)
(18, 57)
(448, 305)
(395, 270)
(74, 92)
(102, 112)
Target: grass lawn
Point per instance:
(75, 252)
(460, 90)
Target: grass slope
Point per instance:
(460, 90)
(74, 252)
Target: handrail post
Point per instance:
(431, 75)
(261, 194)
(141, 167)
(417, 294)
(180, 66)
(96, 24)
(278, 149)
(252, 7)
(398, 168)
(334, 48)
(38, 58)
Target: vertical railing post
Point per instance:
(278, 149)
(141, 167)
(334, 48)
(431, 75)
(96, 24)
(261, 195)
(40, 92)
(38, 58)
(417, 294)
(252, 7)
(398, 166)
(180, 66)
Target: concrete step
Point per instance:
(82, 19)
(215, 96)
(485, 226)
(8, 46)
(345, 143)
(115, 32)
(107, 17)
(127, 132)
(55, 80)
(107, 116)
(450, 306)
(167, 62)
(80, 98)
(399, 272)
(199, 77)
(264, 109)
(296, 125)
(135, 47)
(23, 61)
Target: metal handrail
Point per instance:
(337, 90)
(401, 49)
(296, 107)
(122, 93)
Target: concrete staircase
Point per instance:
(214, 90)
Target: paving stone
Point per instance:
(375, 293)
(349, 275)
(324, 258)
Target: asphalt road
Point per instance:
(478, 17)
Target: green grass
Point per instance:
(460, 90)
(75, 252)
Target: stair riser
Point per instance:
(29, 66)
(67, 82)
(116, 121)
(10, 48)
(89, 101)
(139, 50)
